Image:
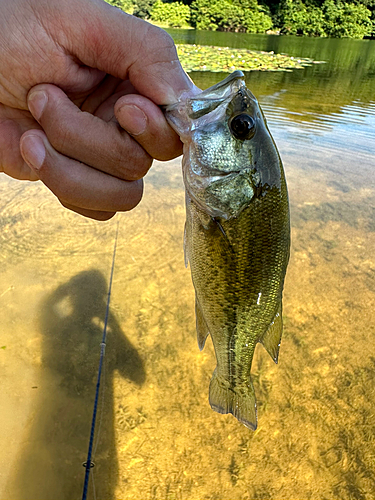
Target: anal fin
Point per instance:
(202, 328)
(272, 338)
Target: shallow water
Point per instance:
(158, 437)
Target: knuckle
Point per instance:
(129, 162)
(139, 169)
(135, 194)
(59, 136)
(161, 37)
(60, 125)
(172, 149)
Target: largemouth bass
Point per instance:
(237, 234)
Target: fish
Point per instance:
(237, 234)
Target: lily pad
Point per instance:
(226, 59)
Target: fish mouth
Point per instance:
(224, 84)
(220, 174)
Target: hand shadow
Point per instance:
(50, 466)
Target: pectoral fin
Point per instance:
(205, 219)
(272, 338)
(202, 328)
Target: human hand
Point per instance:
(92, 164)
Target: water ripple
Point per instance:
(351, 129)
(34, 225)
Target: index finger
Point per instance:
(128, 48)
(145, 121)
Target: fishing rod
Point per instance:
(88, 464)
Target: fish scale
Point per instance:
(237, 234)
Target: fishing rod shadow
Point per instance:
(72, 320)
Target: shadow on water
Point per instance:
(71, 321)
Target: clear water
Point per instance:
(158, 437)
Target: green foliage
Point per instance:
(295, 18)
(333, 18)
(347, 19)
(336, 19)
(230, 15)
(174, 14)
(143, 8)
(125, 5)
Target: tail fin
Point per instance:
(240, 402)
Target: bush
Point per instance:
(295, 18)
(125, 5)
(332, 19)
(143, 8)
(229, 15)
(347, 19)
(257, 20)
(174, 14)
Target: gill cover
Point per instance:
(221, 129)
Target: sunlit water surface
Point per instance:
(158, 437)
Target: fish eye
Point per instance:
(242, 126)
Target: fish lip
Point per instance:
(223, 88)
(212, 172)
(236, 75)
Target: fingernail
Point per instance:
(34, 151)
(37, 102)
(136, 120)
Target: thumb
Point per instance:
(128, 48)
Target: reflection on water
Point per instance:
(158, 438)
(346, 77)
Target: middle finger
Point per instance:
(85, 137)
